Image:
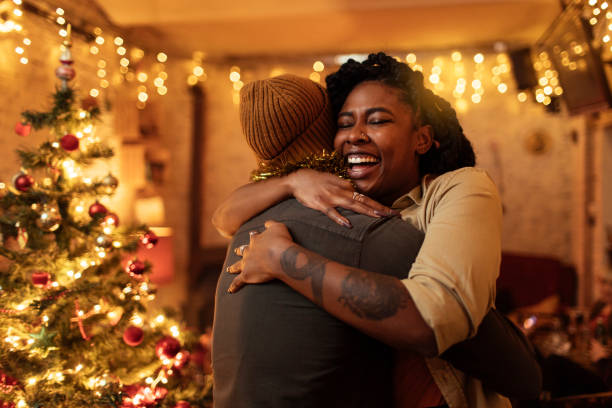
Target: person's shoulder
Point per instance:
(471, 179)
(278, 212)
(396, 228)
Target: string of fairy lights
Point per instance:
(466, 78)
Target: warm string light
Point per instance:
(234, 77)
(61, 22)
(317, 68)
(548, 78)
(601, 16)
(7, 22)
(446, 75)
(465, 77)
(197, 71)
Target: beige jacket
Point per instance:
(452, 281)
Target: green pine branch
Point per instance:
(62, 113)
(48, 156)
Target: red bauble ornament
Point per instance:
(23, 182)
(69, 142)
(135, 267)
(111, 219)
(167, 347)
(182, 404)
(149, 239)
(23, 129)
(133, 335)
(97, 210)
(139, 396)
(40, 279)
(65, 72)
(181, 359)
(89, 103)
(7, 383)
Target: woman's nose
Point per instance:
(358, 136)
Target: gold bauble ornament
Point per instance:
(108, 184)
(49, 219)
(104, 241)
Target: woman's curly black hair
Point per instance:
(454, 150)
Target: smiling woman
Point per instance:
(381, 139)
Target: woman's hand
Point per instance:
(324, 192)
(261, 258)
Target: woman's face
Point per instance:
(378, 136)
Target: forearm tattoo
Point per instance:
(372, 296)
(314, 268)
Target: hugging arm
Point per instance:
(376, 304)
(317, 190)
(499, 344)
(247, 201)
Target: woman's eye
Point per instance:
(378, 121)
(344, 125)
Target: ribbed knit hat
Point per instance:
(285, 118)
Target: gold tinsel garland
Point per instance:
(326, 162)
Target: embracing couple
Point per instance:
(373, 289)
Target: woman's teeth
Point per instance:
(361, 159)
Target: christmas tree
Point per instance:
(74, 323)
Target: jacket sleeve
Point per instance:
(452, 281)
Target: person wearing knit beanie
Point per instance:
(286, 118)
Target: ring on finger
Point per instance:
(357, 196)
(240, 250)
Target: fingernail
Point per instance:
(227, 269)
(346, 224)
(230, 290)
(380, 213)
(394, 212)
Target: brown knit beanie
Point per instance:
(286, 118)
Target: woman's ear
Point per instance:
(424, 139)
